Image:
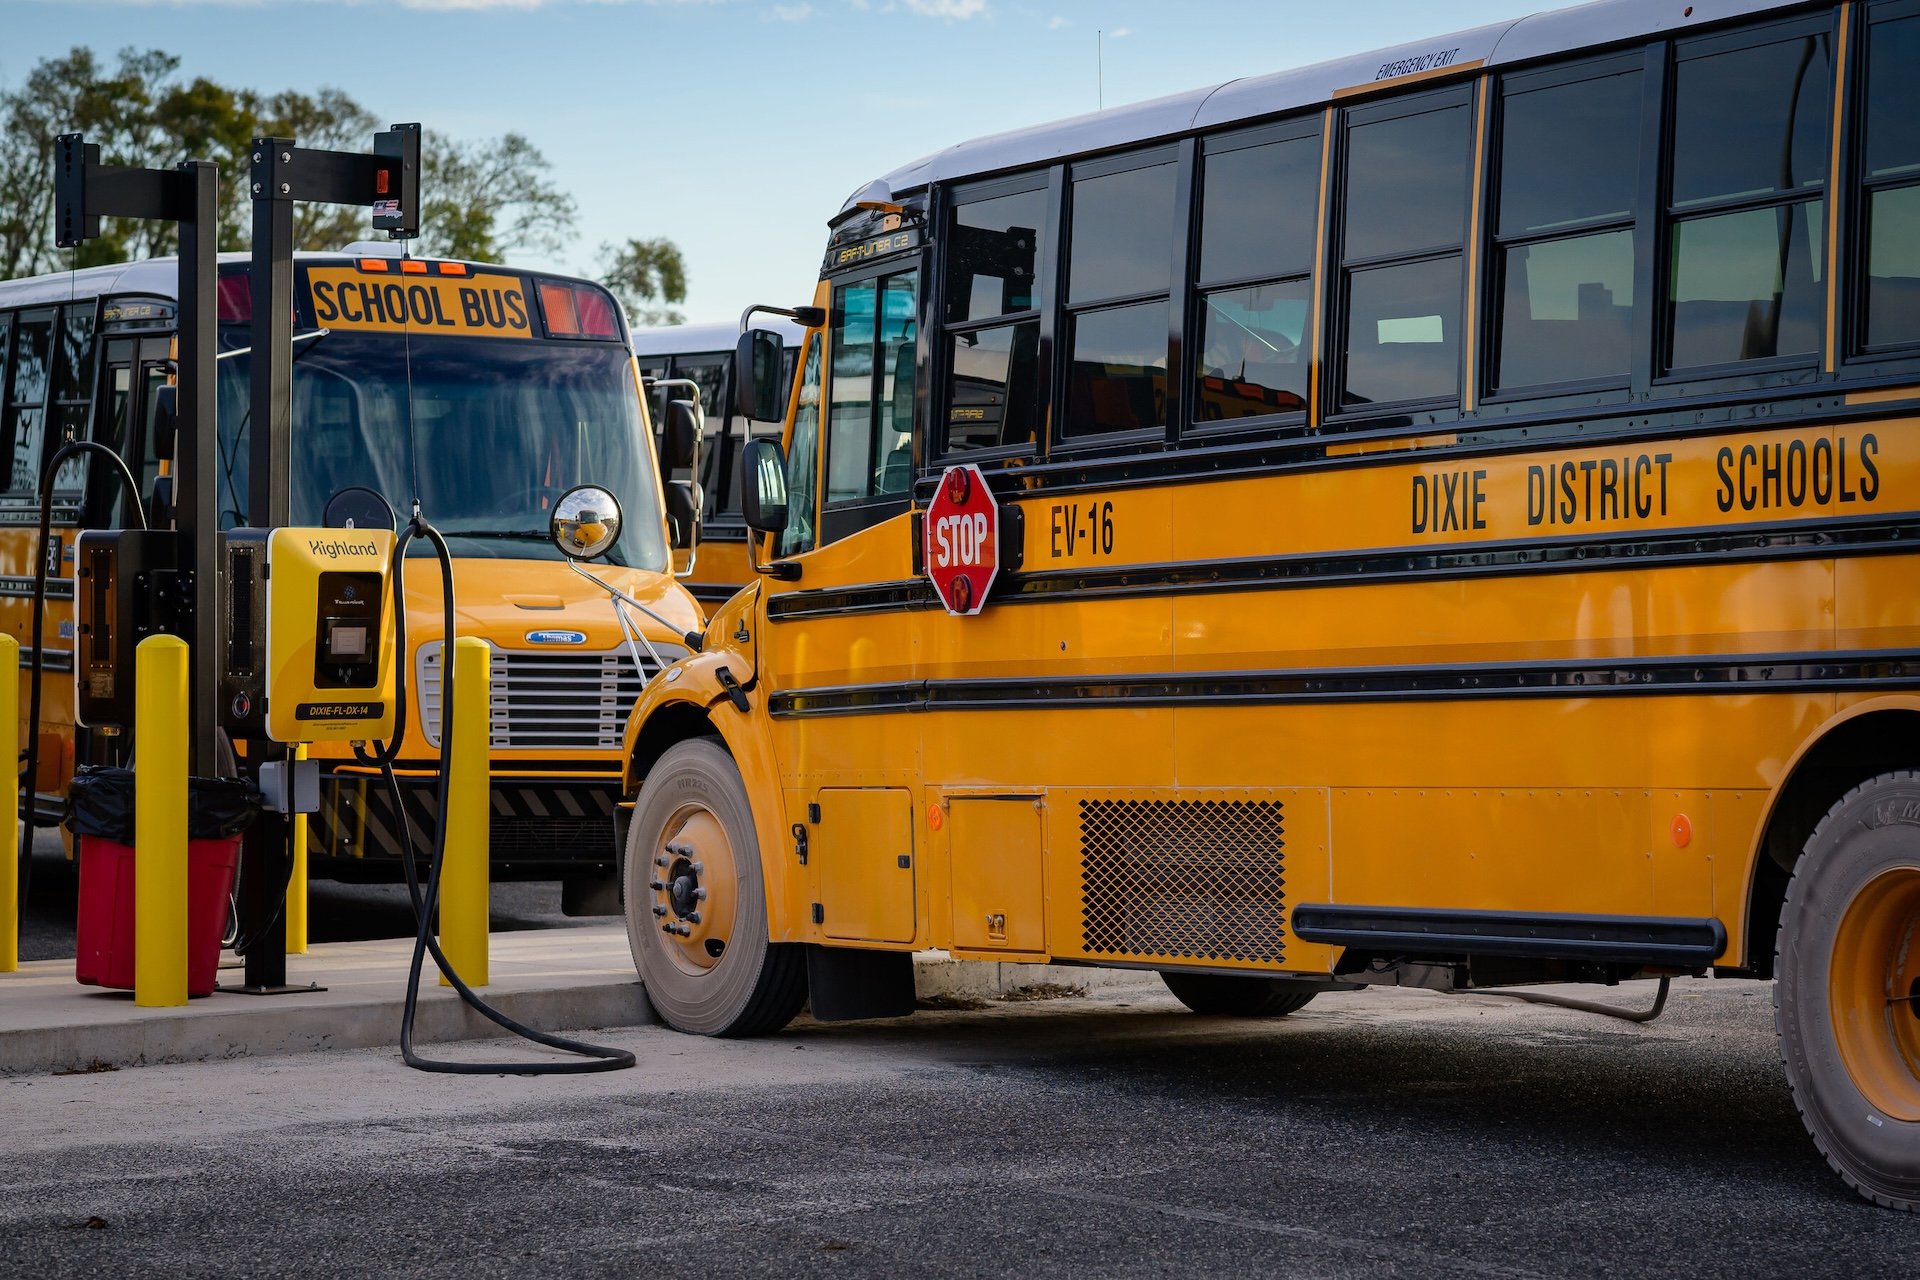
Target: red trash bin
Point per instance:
(104, 928)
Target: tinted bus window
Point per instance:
(869, 445)
(1403, 317)
(1122, 247)
(1747, 283)
(994, 246)
(1893, 170)
(1569, 163)
(31, 370)
(1259, 218)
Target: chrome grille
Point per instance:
(1185, 880)
(573, 700)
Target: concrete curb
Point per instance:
(237, 1028)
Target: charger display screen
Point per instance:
(346, 653)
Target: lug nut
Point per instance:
(699, 895)
(693, 917)
(659, 910)
(663, 861)
(656, 885)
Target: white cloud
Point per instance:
(1120, 33)
(1056, 23)
(793, 12)
(960, 9)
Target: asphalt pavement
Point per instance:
(1377, 1133)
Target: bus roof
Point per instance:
(1252, 98)
(694, 339)
(160, 277)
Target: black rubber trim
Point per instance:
(1877, 670)
(712, 592)
(1677, 942)
(1678, 548)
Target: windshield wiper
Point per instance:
(539, 535)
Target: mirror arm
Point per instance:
(778, 570)
(694, 639)
(805, 317)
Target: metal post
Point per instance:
(160, 823)
(197, 460)
(297, 879)
(9, 807)
(463, 874)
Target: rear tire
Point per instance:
(1847, 991)
(1236, 997)
(697, 904)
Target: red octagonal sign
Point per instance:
(963, 539)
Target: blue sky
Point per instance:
(733, 127)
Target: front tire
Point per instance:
(697, 904)
(1847, 990)
(1237, 997)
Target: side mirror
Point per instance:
(756, 377)
(166, 420)
(585, 522)
(680, 437)
(763, 489)
(683, 499)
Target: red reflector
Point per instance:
(557, 301)
(596, 314)
(373, 264)
(235, 300)
(381, 181)
(412, 267)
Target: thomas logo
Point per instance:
(556, 637)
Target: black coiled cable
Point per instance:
(592, 1057)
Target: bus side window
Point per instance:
(1260, 204)
(995, 242)
(1892, 197)
(1749, 122)
(25, 424)
(1569, 171)
(1402, 257)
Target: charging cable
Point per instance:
(426, 900)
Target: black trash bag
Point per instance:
(100, 804)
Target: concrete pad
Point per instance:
(554, 980)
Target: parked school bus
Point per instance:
(703, 354)
(483, 390)
(1456, 525)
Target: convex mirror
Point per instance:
(763, 493)
(585, 522)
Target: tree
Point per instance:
(491, 199)
(642, 273)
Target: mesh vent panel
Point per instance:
(1185, 880)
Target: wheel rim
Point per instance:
(1875, 992)
(695, 889)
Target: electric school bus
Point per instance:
(486, 390)
(1442, 517)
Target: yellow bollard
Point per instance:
(297, 879)
(10, 807)
(463, 877)
(160, 822)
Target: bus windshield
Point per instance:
(487, 434)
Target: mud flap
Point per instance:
(845, 984)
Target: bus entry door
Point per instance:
(864, 849)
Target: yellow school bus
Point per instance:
(484, 391)
(703, 354)
(1453, 522)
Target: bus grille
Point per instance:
(568, 701)
(1182, 880)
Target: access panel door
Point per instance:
(998, 898)
(864, 850)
